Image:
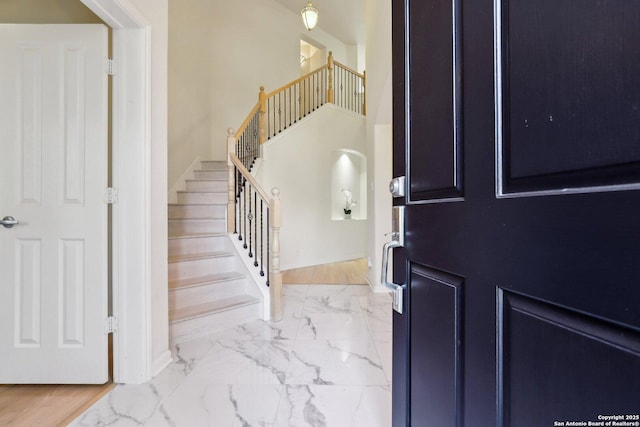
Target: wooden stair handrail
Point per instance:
(293, 83)
(246, 122)
(351, 70)
(261, 106)
(247, 175)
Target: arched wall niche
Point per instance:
(348, 174)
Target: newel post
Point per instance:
(364, 93)
(231, 203)
(330, 78)
(275, 281)
(262, 98)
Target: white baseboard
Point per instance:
(160, 363)
(179, 185)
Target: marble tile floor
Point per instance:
(326, 364)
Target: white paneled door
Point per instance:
(53, 178)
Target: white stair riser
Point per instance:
(196, 245)
(211, 174)
(179, 227)
(218, 185)
(201, 267)
(215, 322)
(202, 198)
(181, 298)
(197, 211)
(213, 165)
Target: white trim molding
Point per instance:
(131, 217)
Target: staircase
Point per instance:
(209, 286)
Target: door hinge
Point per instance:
(110, 325)
(110, 67)
(111, 195)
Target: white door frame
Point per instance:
(131, 219)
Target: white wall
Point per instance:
(46, 12)
(343, 53)
(221, 52)
(379, 130)
(190, 65)
(300, 163)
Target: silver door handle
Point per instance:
(8, 222)
(396, 290)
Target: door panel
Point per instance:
(435, 170)
(532, 254)
(569, 112)
(436, 323)
(53, 175)
(561, 346)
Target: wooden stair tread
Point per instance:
(202, 191)
(213, 307)
(207, 218)
(214, 166)
(195, 204)
(207, 180)
(190, 282)
(197, 235)
(200, 255)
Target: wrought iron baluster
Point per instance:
(304, 98)
(256, 138)
(235, 198)
(290, 105)
(245, 144)
(274, 118)
(250, 219)
(244, 213)
(338, 86)
(255, 229)
(279, 112)
(309, 94)
(261, 237)
(267, 117)
(256, 132)
(285, 109)
(321, 88)
(342, 87)
(249, 147)
(268, 245)
(299, 90)
(350, 92)
(241, 148)
(342, 78)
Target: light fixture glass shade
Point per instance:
(309, 16)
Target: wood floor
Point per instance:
(352, 272)
(49, 405)
(46, 405)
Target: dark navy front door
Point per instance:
(517, 126)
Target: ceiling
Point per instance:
(343, 19)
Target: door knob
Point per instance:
(8, 222)
(396, 186)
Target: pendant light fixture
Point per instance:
(309, 16)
